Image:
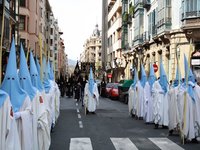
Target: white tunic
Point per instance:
(148, 104)
(91, 102)
(8, 128)
(160, 105)
(130, 100)
(44, 138)
(24, 125)
(173, 108)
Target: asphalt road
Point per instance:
(111, 128)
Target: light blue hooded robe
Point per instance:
(143, 79)
(163, 78)
(11, 83)
(24, 75)
(152, 77)
(35, 77)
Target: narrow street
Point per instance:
(109, 129)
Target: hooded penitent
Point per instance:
(24, 75)
(35, 77)
(50, 71)
(11, 83)
(163, 78)
(46, 82)
(152, 77)
(191, 78)
(177, 79)
(143, 79)
(91, 81)
(135, 78)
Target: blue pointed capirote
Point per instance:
(46, 81)
(35, 77)
(152, 77)
(24, 76)
(91, 81)
(11, 83)
(188, 71)
(163, 78)
(143, 79)
(191, 78)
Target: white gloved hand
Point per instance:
(17, 115)
(191, 83)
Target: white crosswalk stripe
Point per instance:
(80, 144)
(125, 144)
(165, 144)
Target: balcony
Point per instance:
(138, 40)
(116, 7)
(190, 20)
(146, 37)
(115, 26)
(117, 45)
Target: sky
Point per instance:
(77, 20)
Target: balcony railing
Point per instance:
(138, 40)
(191, 14)
(146, 37)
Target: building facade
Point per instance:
(8, 29)
(92, 51)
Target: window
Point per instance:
(22, 3)
(23, 41)
(51, 31)
(22, 22)
(35, 27)
(41, 12)
(51, 42)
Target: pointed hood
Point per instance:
(91, 81)
(188, 70)
(3, 96)
(50, 72)
(11, 83)
(190, 76)
(143, 79)
(35, 77)
(152, 77)
(46, 82)
(135, 78)
(24, 76)
(178, 77)
(163, 78)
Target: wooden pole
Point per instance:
(1, 42)
(41, 66)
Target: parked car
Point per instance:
(123, 88)
(108, 88)
(114, 94)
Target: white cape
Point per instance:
(91, 102)
(24, 125)
(8, 128)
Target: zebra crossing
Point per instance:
(124, 144)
